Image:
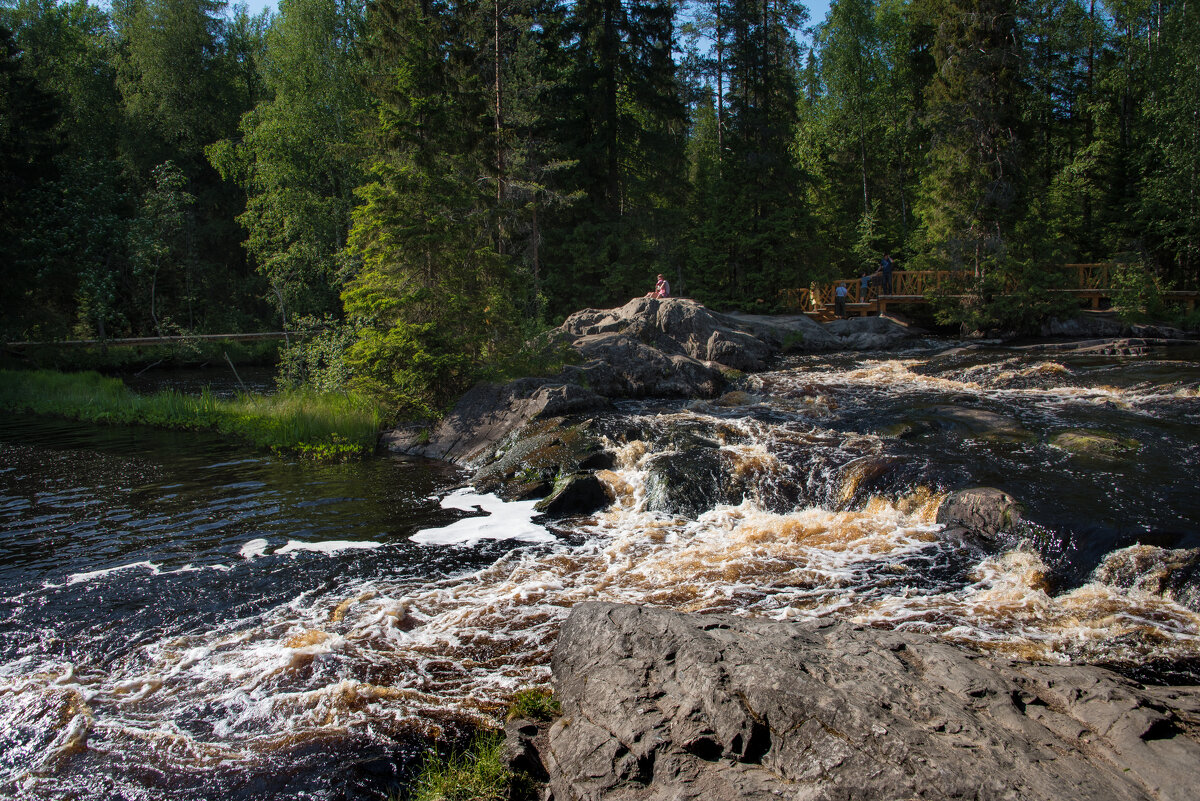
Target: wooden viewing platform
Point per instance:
(1090, 283)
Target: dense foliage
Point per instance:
(441, 177)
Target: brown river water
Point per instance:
(184, 617)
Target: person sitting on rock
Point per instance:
(662, 289)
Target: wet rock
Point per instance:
(979, 424)
(794, 333)
(689, 482)
(1092, 325)
(984, 511)
(527, 462)
(661, 705)
(859, 475)
(577, 494)
(872, 333)
(487, 414)
(1170, 573)
(1083, 442)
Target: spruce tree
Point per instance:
(433, 296)
(973, 176)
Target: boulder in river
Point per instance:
(527, 463)
(872, 333)
(689, 481)
(576, 494)
(487, 414)
(984, 511)
(659, 705)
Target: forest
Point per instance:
(425, 185)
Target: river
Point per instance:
(185, 616)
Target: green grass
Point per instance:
(478, 772)
(535, 704)
(332, 426)
(475, 774)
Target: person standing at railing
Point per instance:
(885, 267)
(864, 287)
(839, 300)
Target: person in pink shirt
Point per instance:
(662, 289)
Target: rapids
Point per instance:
(184, 616)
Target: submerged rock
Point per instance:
(858, 475)
(984, 511)
(1084, 442)
(980, 424)
(662, 705)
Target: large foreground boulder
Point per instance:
(660, 705)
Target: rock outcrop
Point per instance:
(490, 412)
(646, 348)
(1107, 325)
(660, 705)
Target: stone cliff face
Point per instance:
(661, 705)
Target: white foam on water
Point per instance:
(254, 548)
(330, 547)
(503, 521)
(92, 575)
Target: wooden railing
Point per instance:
(911, 285)
(1089, 276)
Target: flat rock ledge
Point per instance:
(647, 348)
(659, 705)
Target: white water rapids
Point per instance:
(382, 656)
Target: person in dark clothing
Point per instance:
(839, 300)
(885, 268)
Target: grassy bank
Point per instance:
(324, 426)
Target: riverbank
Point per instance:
(331, 426)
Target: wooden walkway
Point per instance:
(1090, 283)
(153, 340)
